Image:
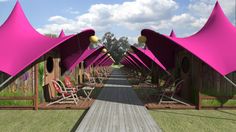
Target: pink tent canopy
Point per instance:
(21, 44)
(132, 61)
(129, 64)
(125, 62)
(89, 60)
(138, 60)
(62, 34)
(108, 62)
(214, 43)
(104, 61)
(83, 56)
(77, 50)
(94, 57)
(147, 56)
(100, 59)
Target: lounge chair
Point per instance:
(87, 90)
(91, 81)
(68, 95)
(99, 76)
(170, 91)
(90, 85)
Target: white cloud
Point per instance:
(159, 15)
(103, 17)
(194, 18)
(72, 11)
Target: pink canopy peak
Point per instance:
(172, 34)
(21, 44)
(62, 34)
(214, 43)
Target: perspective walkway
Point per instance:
(118, 109)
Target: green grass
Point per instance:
(6, 93)
(117, 66)
(215, 102)
(39, 121)
(195, 121)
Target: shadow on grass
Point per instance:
(79, 121)
(229, 113)
(210, 117)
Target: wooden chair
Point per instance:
(68, 95)
(87, 90)
(170, 91)
(90, 85)
(99, 76)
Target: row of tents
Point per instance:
(22, 48)
(205, 60)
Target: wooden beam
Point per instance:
(17, 98)
(199, 106)
(16, 107)
(36, 87)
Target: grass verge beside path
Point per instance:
(195, 121)
(39, 121)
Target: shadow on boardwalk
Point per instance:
(117, 89)
(117, 108)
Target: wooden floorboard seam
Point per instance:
(118, 109)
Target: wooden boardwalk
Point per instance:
(118, 109)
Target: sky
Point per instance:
(121, 17)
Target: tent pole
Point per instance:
(6, 81)
(230, 81)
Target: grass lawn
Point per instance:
(39, 121)
(195, 121)
(117, 66)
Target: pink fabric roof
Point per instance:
(129, 64)
(132, 61)
(109, 62)
(104, 61)
(21, 44)
(147, 56)
(76, 51)
(62, 34)
(83, 56)
(92, 56)
(29, 45)
(138, 60)
(214, 43)
(99, 59)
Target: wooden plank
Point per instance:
(16, 107)
(117, 108)
(36, 87)
(17, 98)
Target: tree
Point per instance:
(139, 45)
(117, 47)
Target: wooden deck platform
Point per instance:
(118, 109)
(82, 105)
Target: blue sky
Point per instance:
(122, 17)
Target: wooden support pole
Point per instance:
(199, 106)
(81, 72)
(36, 87)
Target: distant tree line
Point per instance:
(116, 46)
